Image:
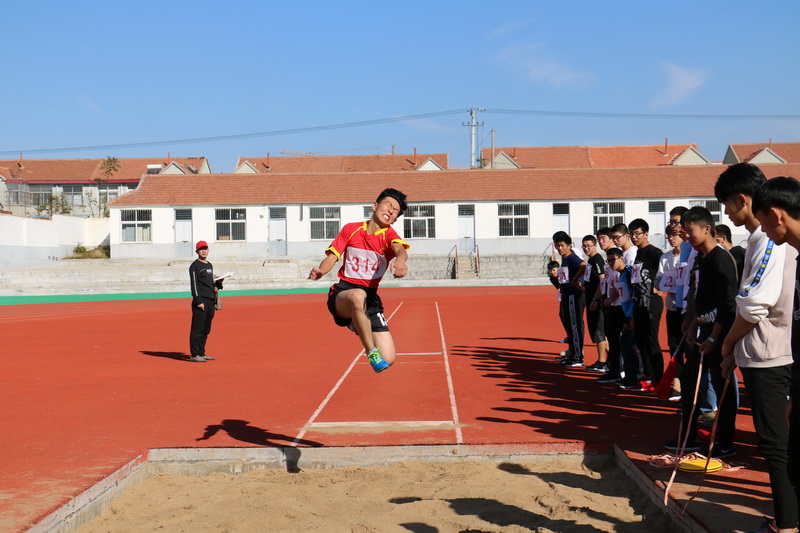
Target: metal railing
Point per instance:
(452, 263)
(475, 260)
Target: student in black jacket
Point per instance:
(204, 295)
(715, 281)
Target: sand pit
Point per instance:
(549, 496)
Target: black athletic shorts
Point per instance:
(374, 306)
(596, 322)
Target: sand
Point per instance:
(551, 496)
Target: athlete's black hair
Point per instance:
(397, 195)
(639, 223)
(620, 228)
(741, 178)
(723, 231)
(698, 215)
(562, 236)
(604, 231)
(780, 192)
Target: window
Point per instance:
(513, 219)
(73, 194)
(561, 209)
(711, 205)
(153, 169)
(136, 225)
(419, 222)
(230, 224)
(607, 214)
(41, 195)
(324, 222)
(367, 212)
(657, 207)
(183, 214)
(107, 192)
(466, 210)
(277, 213)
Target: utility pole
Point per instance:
(473, 126)
(491, 163)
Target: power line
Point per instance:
(582, 114)
(236, 136)
(375, 122)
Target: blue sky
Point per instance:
(88, 74)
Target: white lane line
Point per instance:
(336, 388)
(453, 407)
(403, 423)
(420, 353)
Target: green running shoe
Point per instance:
(376, 361)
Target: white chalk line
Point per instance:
(336, 387)
(451, 390)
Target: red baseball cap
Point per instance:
(201, 244)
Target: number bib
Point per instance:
(563, 275)
(364, 264)
(668, 282)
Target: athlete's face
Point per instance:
(386, 212)
(771, 222)
(202, 253)
(675, 239)
(735, 209)
(562, 248)
(696, 234)
(589, 248)
(639, 237)
(605, 242)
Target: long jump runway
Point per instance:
(87, 387)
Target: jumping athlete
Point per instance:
(366, 249)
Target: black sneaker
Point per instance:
(609, 378)
(675, 395)
(573, 362)
(628, 384)
(673, 445)
(721, 452)
(597, 366)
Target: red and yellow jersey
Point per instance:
(364, 256)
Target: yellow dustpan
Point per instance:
(699, 465)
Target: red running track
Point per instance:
(86, 387)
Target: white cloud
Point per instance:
(533, 62)
(509, 27)
(91, 105)
(681, 84)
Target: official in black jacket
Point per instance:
(204, 294)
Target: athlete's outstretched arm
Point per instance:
(399, 267)
(324, 267)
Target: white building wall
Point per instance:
(33, 241)
(300, 245)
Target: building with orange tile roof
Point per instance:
(760, 153)
(291, 214)
(31, 184)
(341, 163)
(532, 157)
